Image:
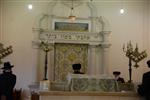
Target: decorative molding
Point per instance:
(71, 37)
(105, 36)
(105, 45)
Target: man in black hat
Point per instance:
(117, 76)
(144, 88)
(76, 68)
(7, 82)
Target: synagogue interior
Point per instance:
(48, 40)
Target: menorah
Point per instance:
(133, 55)
(4, 51)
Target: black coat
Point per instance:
(144, 88)
(77, 72)
(120, 80)
(7, 83)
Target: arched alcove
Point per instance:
(95, 35)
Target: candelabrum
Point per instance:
(133, 55)
(46, 47)
(4, 51)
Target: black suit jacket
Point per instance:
(7, 83)
(144, 88)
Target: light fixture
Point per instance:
(30, 6)
(71, 16)
(122, 11)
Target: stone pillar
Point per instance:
(51, 64)
(105, 52)
(105, 58)
(92, 60)
(93, 16)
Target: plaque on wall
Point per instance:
(64, 24)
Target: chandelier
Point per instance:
(71, 16)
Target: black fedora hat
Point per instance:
(116, 73)
(76, 66)
(7, 65)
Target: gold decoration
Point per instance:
(45, 46)
(74, 53)
(133, 55)
(4, 51)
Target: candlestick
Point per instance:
(133, 55)
(46, 47)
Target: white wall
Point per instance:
(1, 20)
(16, 30)
(130, 26)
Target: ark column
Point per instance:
(105, 45)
